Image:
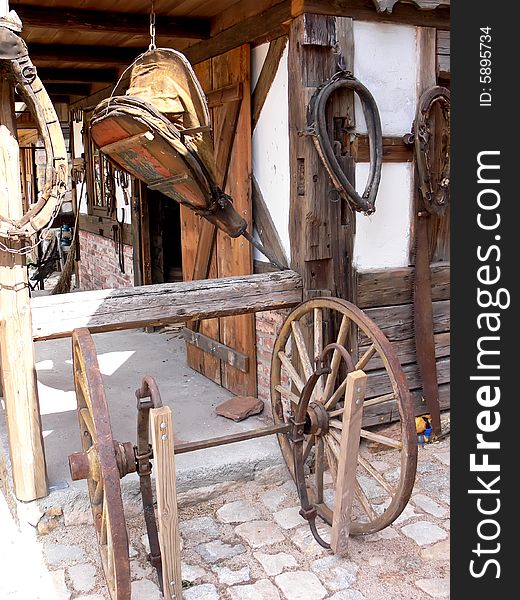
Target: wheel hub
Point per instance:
(317, 420)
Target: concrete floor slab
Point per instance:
(124, 358)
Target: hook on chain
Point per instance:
(152, 45)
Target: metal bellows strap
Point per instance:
(317, 127)
(28, 85)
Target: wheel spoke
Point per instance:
(379, 399)
(87, 419)
(336, 436)
(336, 358)
(336, 423)
(382, 439)
(104, 525)
(318, 348)
(288, 394)
(307, 446)
(297, 335)
(331, 459)
(376, 475)
(318, 462)
(363, 361)
(339, 393)
(363, 500)
(98, 493)
(331, 442)
(293, 373)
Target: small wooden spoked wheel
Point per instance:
(101, 463)
(386, 462)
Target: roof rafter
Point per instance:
(47, 17)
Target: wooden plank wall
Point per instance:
(386, 297)
(230, 256)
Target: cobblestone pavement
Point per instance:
(250, 544)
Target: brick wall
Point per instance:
(268, 324)
(99, 265)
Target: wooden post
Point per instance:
(16, 345)
(169, 536)
(345, 482)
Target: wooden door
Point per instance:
(224, 349)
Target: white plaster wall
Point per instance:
(385, 62)
(383, 239)
(270, 146)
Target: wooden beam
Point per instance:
(388, 411)
(68, 89)
(57, 75)
(47, 17)
(365, 10)
(265, 226)
(394, 149)
(16, 347)
(267, 25)
(229, 355)
(128, 308)
(106, 55)
(389, 287)
(266, 78)
(397, 322)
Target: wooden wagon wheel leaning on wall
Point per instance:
(311, 404)
(22, 72)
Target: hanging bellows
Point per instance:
(160, 133)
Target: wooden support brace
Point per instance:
(346, 479)
(221, 351)
(16, 347)
(169, 536)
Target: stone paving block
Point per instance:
(348, 595)
(206, 591)
(371, 488)
(274, 564)
(300, 585)
(435, 587)
(261, 590)
(140, 570)
(238, 512)
(58, 553)
(132, 552)
(146, 543)
(428, 505)
(304, 540)
(273, 498)
(424, 532)
(289, 517)
(214, 551)
(260, 533)
(145, 590)
(443, 457)
(59, 586)
(83, 577)
(192, 572)
(335, 573)
(229, 577)
(439, 551)
(199, 530)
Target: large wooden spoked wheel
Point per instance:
(103, 472)
(386, 462)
